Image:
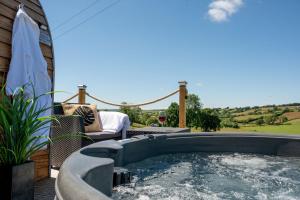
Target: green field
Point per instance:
(291, 127)
(247, 117)
(273, 119)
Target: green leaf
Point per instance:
(20, 120)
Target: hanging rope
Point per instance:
(69, 99)
(133, 105)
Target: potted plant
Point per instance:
(19, 122)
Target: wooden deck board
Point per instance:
(44, 190)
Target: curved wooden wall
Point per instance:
(8, 9)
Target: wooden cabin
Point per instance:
(34, 9)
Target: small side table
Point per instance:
(156, 130)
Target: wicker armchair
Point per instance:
(61, 149)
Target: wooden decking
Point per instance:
(44, 189)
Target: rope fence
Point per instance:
(123, 105)
(69, 99)
(133, 105)
(82, 94)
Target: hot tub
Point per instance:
(88, 173)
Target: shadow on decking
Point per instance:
(44, 190)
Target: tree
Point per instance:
(133, 113)
(144, 117)
(282, 119)
(260, 121)
(195, 117)
(271, 119)
(193, 102)
(152, 120)
(285, 110)
(193, 108)
(208, 119)
(172, 115)
(229, 123)
(209, 122)
(275, 108)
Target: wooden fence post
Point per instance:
(182, 109)
(81, 94)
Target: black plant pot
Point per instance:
(17, 182)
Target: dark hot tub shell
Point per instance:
(88, 173)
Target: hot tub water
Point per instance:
(213, 176)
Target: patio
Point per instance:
(45, 189)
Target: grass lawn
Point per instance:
(136, 125)
(291, 127)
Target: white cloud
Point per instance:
(199, 84)
(221, 10)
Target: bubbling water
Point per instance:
(212, 176)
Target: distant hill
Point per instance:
(284, 118)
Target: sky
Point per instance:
(232, 53)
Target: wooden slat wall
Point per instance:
(8, 9)
(41, 159)
(10, 6)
